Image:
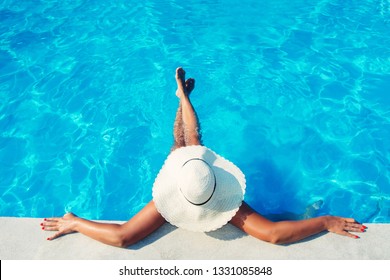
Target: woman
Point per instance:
(198, 190)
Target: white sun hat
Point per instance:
(198, 190)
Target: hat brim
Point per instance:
(219, 210)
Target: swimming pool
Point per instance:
(296, 93)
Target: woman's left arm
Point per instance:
(284, 232)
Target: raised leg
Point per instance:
(190, 120)
(178, 130)
(178, 127)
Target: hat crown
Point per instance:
(196, 181)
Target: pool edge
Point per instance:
(23, 239)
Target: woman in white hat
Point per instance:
(198, 190)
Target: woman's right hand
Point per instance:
(63, 225)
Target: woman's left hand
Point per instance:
(344, 226)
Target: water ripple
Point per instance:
(295, 93)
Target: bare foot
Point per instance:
(190, 85)
(63, 225)
(184, 88)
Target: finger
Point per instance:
(350, 220)
(354, 227)
(58, 234)
(49, 223)
(51, 220)
(346, 233)
(50, 228)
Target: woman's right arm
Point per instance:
(121, 235)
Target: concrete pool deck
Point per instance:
(23, 239)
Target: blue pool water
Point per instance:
(296, 93)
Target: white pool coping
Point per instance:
(23, 239)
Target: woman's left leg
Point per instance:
(190, 120)
(178, 130)
(183, 87)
